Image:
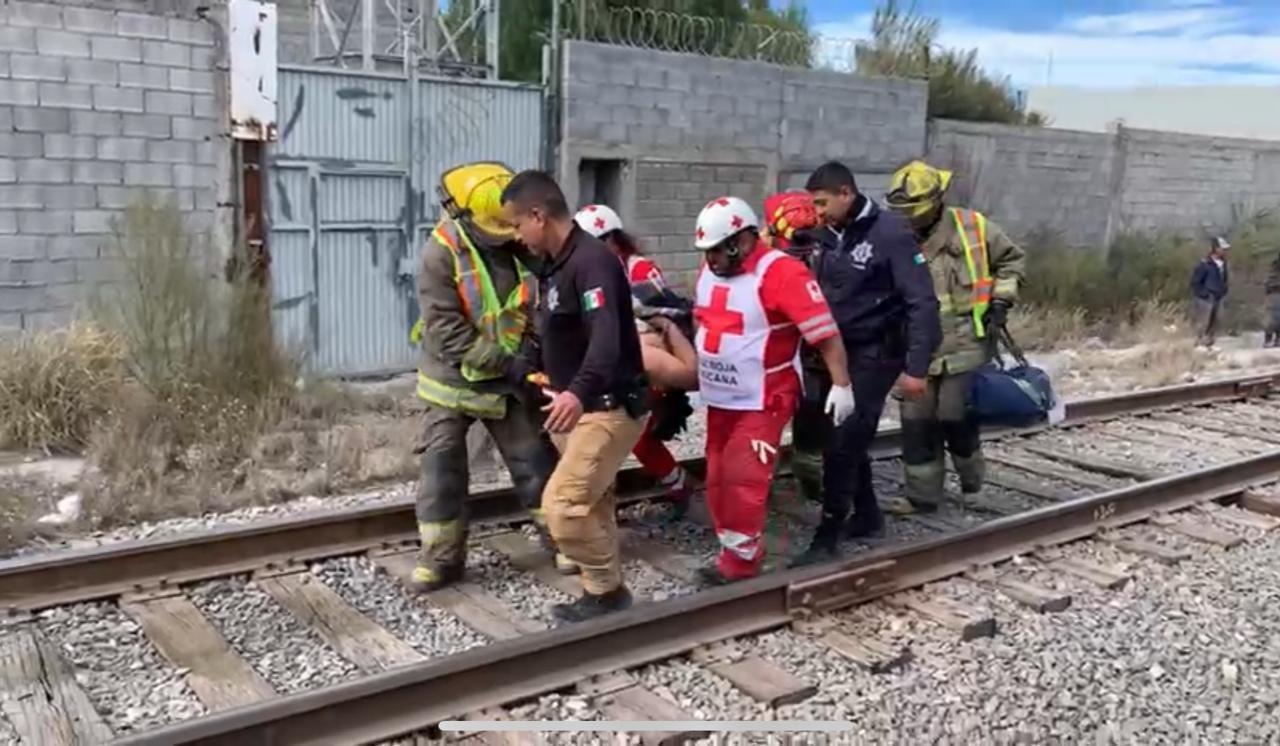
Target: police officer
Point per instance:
(592, 360)
(877, 282)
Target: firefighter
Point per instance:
(754, 306)
(596, 386)
(790, 222)
(871, 270)
(475, 298)
(976, 271)
(668, 356)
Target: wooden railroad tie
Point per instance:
(620, 696)
(1258, 502)
(869, 653)
(492, 738)
(1242, 518)
(467, 600)
(1101, 575)
(1203, 532)
(1094, 463)
(1158, 552)
(1082, 478)
(220, 678)
(757, 678)
(970, 623)
(1032, 596)
(43, 702)
(353, 635)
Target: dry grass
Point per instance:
(54, 386)
(22, 500)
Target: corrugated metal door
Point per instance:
(345, 196)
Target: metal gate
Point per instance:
(352, 197)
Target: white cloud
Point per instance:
(1193, 20)
(1117, 52)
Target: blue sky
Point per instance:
(1096, 42)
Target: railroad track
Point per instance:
(404, 664)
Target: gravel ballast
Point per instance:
(278, 646)
(432, 632)
(129, 683)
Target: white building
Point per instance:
(1222, 111)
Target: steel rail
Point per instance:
(35, 582)
(419, 696)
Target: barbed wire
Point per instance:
(670, 31)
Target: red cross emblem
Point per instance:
(721, 202)
(599, 223)
(736, 222)
(701, 233)
(591, 208)
(717, 320)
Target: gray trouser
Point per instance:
(1207, 313)
(940, 418)
(444, 480)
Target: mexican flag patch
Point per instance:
(593, 299)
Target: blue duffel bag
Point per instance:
(1017, 395)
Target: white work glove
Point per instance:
(840, 403)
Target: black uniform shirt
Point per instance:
(878, 285)
(589, 341)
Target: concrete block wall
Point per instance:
(99, 106)
(1087, 188)
(669, 196)
(1194, 184)
(1030, 180)
(693, 128)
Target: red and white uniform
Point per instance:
(654, 456)
(749, 331)
(643, 269)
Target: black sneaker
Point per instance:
(825, 545)
(923, 507)
(710, 577)
(863, 525)
(592, 605)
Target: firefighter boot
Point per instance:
(564, 565)
(442, 556)
(924, 468)
(591, 605)
(826, 542)
(965, 444)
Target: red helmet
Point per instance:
(788, 212)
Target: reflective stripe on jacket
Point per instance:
(469, 337)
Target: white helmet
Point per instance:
(598, 220)
(722, 218)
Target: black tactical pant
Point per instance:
(443, 486)
(845, 464)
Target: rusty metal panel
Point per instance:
(460, 122)
(343, 119)
(251, 40)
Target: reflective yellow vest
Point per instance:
(502, 322)
(972, 228)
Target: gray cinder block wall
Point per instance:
(1086, 188)
(688, 128)
(101, 103)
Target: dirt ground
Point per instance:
(373, 449)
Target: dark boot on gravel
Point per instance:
(825, 545)
(865, 524)
(592, 605)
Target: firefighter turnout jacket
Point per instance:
(973, 262)
(476, 305)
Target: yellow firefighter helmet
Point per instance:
(473, 192)
(916, 189)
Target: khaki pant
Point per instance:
(579, 501)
